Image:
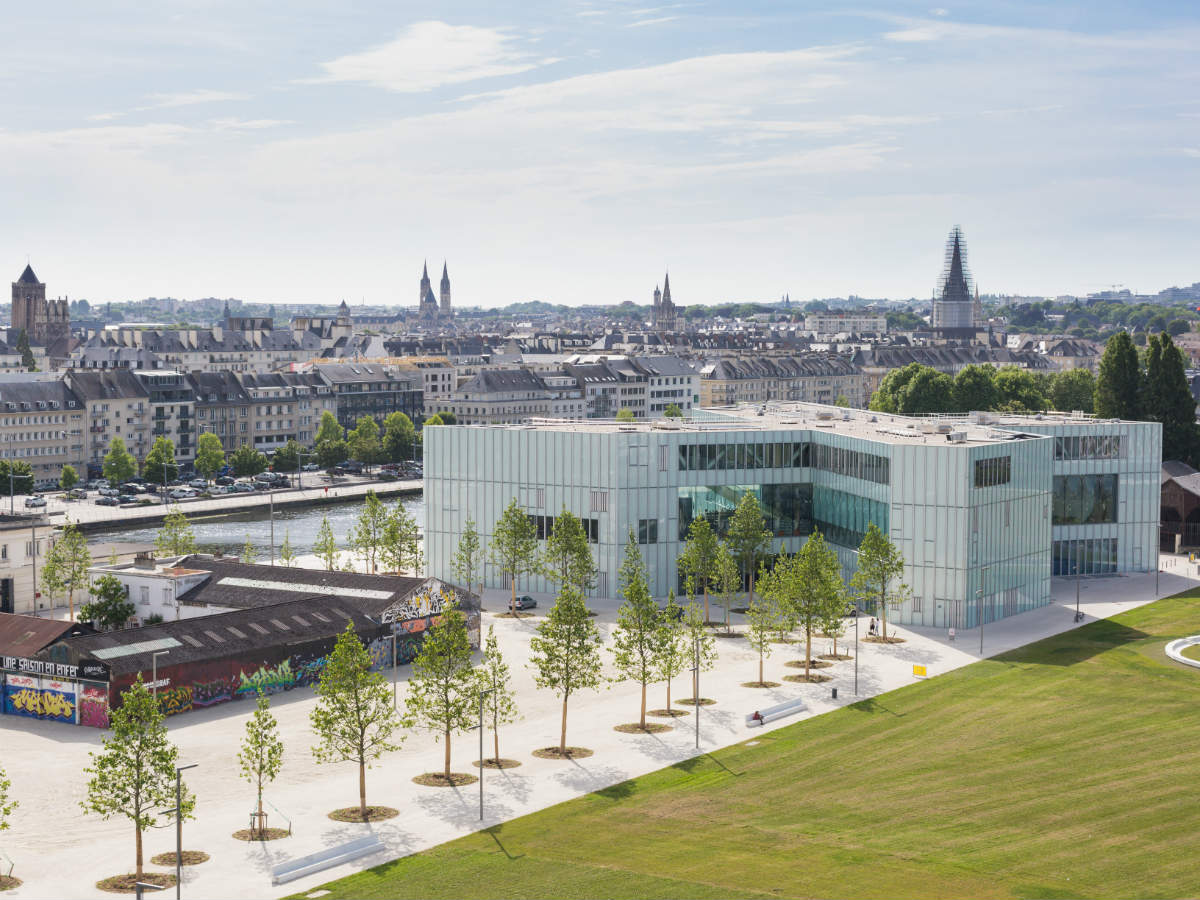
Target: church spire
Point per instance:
(667, 288)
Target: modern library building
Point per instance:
(985, 508)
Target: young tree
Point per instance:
(354, 719)
(879, 564)
(1073, 389)
(441, 690)
(806, 586)
(639, 637)
(119, 464)
(398, 436)
(286, 458)
(287, 556)
(697, 563)
(833, 619)
(249, 552)
(467, 561)
(514, 546)
(261, 755)
(134, 774)
(366, 536)
(675, 650)
(7, 806)
(1119, 384)
(159, 465)
(568, 558)
(747, 536)
(329, 429)
(330, 453)
(247, 462)
(400, 548)
(672, 411)
(762, 627)
(565, 651)
(364, 441)
(68, 478)
(175, 538)
(699, 646)
(67, 564)
(110, 607)
(325, 546)
(625, 415)
(210, 455)
(500, 703)
(726, 579)
(21, 480)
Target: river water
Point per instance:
(300, 524)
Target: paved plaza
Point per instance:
(60, 852)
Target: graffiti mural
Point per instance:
(269, 680)
(39, 698)
(210, 693)
(58, 700)
(175, 700)
(21, 696)
(93, 706)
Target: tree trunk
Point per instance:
(139, 853)
(512, 604)
(362, 788)
(447, 760)
(642, 720)
(496, 744)
(883, 612)
(705, 604)
(71, 602)
(807, 649)
(562, 740)
(261, 828)
(750, 598)
(668, 693)
(760, 667)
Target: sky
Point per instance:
(573, 151)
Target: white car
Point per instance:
(182, 494)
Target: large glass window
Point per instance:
(1089, 556)
(783, 455)
(992, 472)
(1085, 499)
(1099, 446)
(647, 531)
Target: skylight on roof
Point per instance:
(236, 632)
(258, 628)
(191, 640)
(279, 624)
(264, 585)
(165, 643)
(216, 637)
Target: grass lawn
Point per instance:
(1192, 652)
(1067, 768)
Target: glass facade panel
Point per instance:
(992, 472)
(1085, 499)
(1100, 446)
(1087, 556)
(783, 455)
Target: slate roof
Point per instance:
(491, 381)
(27, 277)
(26, 635)
(106, 384)
(35, 392)
(808, 366)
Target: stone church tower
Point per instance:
(45, 321)
(446, 312)
(427, 307)
(664, 309)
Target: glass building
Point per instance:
(983, 509)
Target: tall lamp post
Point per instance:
(854, 609)
(696, 686)
(154, 670)
(482, 694)
(979, 604)
(179, 825)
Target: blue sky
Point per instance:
(310, 151)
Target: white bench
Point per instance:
(771, 713)
(325, 859)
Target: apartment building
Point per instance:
(371, 389)
(42, 423)
(850, 322)
(815, 378)
(116, 404)
(172, 410)
(223, 407)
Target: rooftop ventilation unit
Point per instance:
(945, 428)
(824, 415)
(956, 437)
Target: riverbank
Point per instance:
(91, 518)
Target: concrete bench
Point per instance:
(325, 859)
(771, 713)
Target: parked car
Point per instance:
(386, 475)
(77, 494)
(310, 467)
(109, 492)
(96, 483)
(335, 471)
(131, 487)
(223, 489)
(526, 602)
(127, 498)
(265, 478)
(198, 484)
(107, 501)
(353, 467)
(226, 480)
(182, 494)
(244, 487)
(32, 502)
(45, 484)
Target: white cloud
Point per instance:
(191, 98)
(235, 124)
(428, 55)
(660, 20)
(939, 11)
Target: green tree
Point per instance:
(68, 478)
(763, 625)
(1074, 389)
(700, 646)
(565, 652)
(247, 462)
(330, 453)
(698, 561)
(119, 464)
(210, 455)
(625, 415)
(364, 441)
(7, 805)
(400, 546)
(442, 689)
(1177, 327)
(109, 607)
(329, 429)
(26, 352)
(568, 558)
(975, 388)
(286, 458)
(354, 719)
(325, 546)
(467, 561)
(287, 556)
(639, 637)
(175, 538)
(21, 481)
(675, 650)
(159, 465)
(133, 775)
(747, 536)
(1166, 398)
(807, 585)
(514, 547)
(1119, 384)
(366, 537)
(249, 552)
(879, 564)
(500, 701)
(914, 390)
(398, 436)
(672, 411)
(66, 566)
(435, 419)
(1019, 390)
(261, 757)
(726, 579)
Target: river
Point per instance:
(300, 524)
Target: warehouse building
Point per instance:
(984, 508)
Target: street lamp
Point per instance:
(696, 685)
(179, 826)
(154, 670)
(140, 888)
(482, 694)
(854, 609)
(1078, 614)
(979, 606)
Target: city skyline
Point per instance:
(573, 153)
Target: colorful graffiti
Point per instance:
(268, 680)
(93, 706)
(58, 701)
(210, 693)
(175, 700)
(39, 698)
